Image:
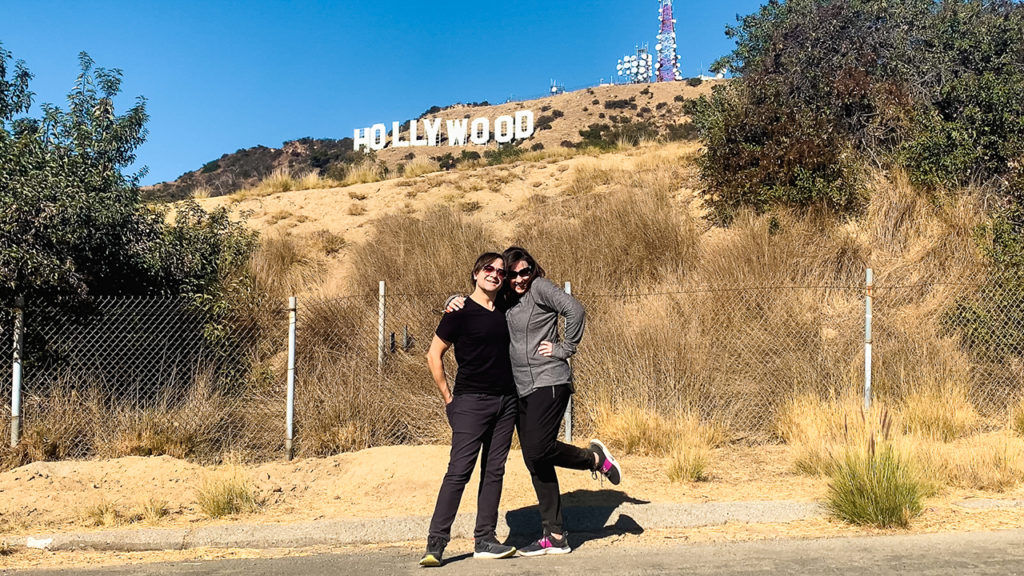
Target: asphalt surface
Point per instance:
(964, 553)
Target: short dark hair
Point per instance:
(516, 253)
(483, 260)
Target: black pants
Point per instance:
(540, 417)
(478, 421)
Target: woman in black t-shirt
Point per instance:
(481, 410)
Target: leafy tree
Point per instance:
(73, 222)
(827, 87)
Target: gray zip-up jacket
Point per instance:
(534, 319)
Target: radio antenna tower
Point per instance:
(668, 61)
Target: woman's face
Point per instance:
(490, 278)
(521, 276)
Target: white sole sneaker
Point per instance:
(494, 556)
(554, 550)
(614, 475)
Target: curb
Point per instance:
(626, 518)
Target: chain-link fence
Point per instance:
(147, 376)
(140, 376)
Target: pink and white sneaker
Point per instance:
(606, 465)
(546, 545)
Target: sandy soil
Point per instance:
(379, 482)
(403, 480)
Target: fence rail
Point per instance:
(318, 376)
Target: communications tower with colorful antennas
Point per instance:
(667, 65)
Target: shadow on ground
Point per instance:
(586, 514)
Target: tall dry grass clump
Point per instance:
(942, 412)
(363, 173)
(284, 265)
(820, 430)
(430, 255)
(227, 495)
(682, 437)
(641, 235)
(282, 180)
(419, 167)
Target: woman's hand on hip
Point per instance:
(546, 348)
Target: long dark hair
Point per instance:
(485, 259)
(512, 256)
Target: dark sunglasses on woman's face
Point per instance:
(525, 272)
(499, 272)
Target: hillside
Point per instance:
(654, 109)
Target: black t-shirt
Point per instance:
(481, 344)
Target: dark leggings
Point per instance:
(539, 420)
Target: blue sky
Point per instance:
(220, 76)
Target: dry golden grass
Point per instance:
(643, 431)
(941, 412)
(226, 495)
(363, 173)
(153, 509)
(104, 514)
(1016, 418)
(419, 167)
(937, 447)
(200, 192)
(284, 265)
(738, 325)
(282, 180)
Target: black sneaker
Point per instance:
(435, 549)
(547, 545)
(606, 465)
(489, 548)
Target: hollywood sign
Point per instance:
(457, 132)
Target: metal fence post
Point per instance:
(568, 407)
(867, 341)
(19, 341)
(380, 328)
(290, 410)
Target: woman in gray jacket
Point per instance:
(543, 378)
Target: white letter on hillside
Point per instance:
(480, 132)
(433, 128)
(457, 132)
(524, 132)
(396, 136)
(503, 131)
(414, 138)
(361, 138)
(378, 136)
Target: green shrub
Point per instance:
(874, 488)
(616, 104)
(445, 161)
(824, 87)
(504, 154)
(694, 82)
(211, 166)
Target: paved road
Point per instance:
(971, 553)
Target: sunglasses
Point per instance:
(499, 272)
(525, 272)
